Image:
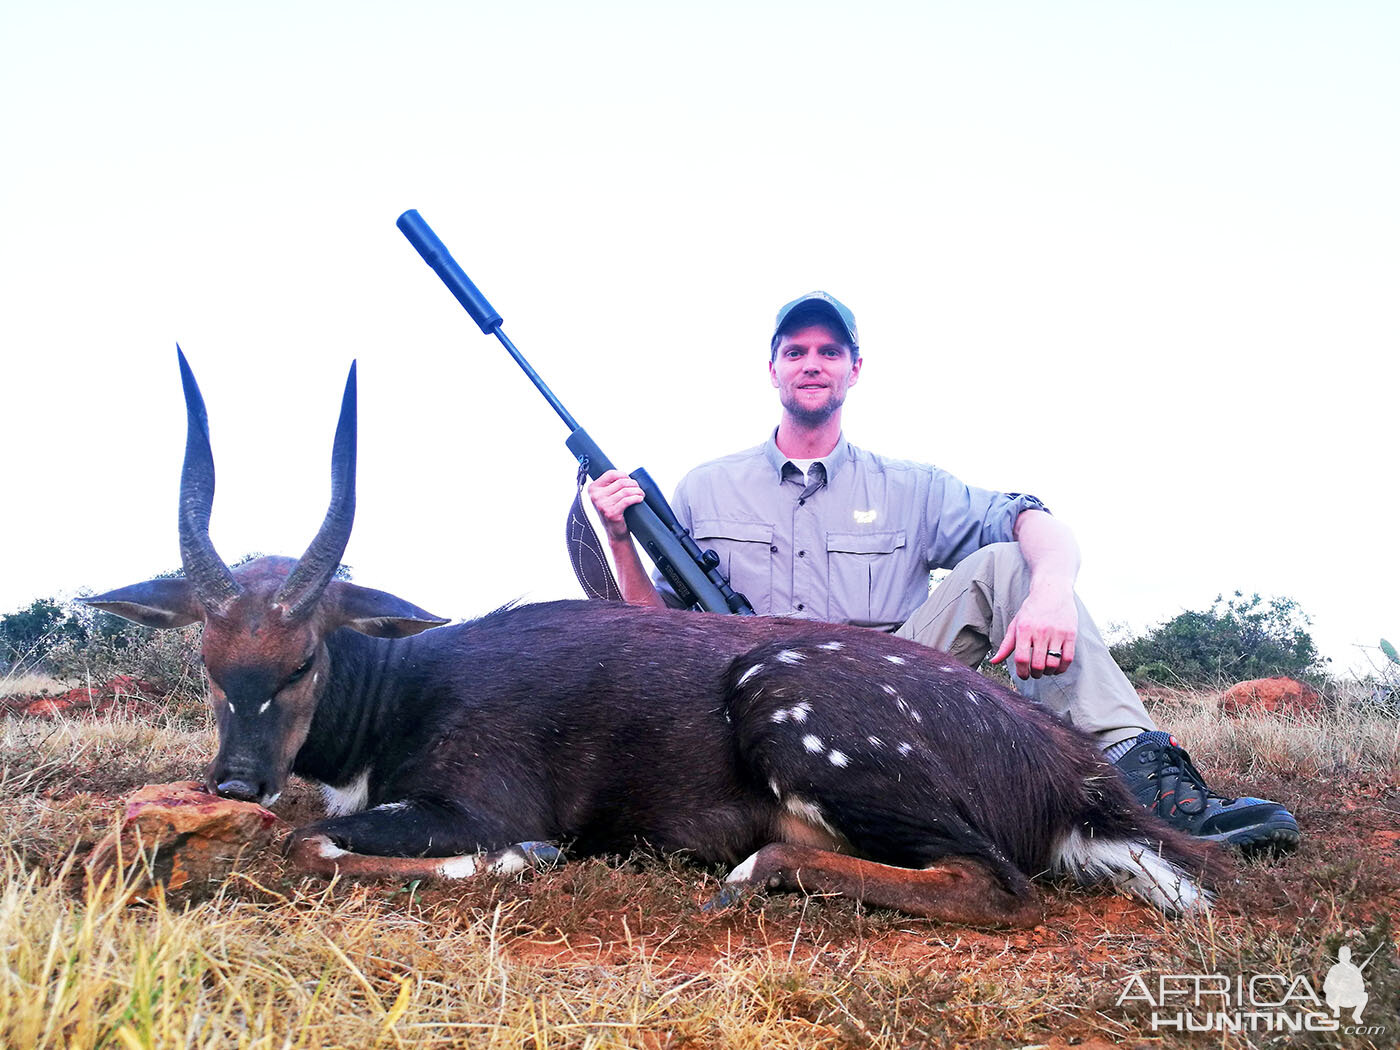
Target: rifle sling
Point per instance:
(586, 552)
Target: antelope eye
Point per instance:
(300, 672)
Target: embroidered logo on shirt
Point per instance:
(864, 517)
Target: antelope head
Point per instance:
(265, 623)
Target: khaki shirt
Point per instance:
(854, 545)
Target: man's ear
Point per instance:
(377, 613)
(155, 603)
(773, 373)
(855, 370)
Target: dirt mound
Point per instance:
(1275, 696)
(122, 693)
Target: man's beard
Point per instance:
(813, 416)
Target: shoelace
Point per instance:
(1172, 758)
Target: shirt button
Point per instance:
(802, 554)
(802, 503)
(800, 606)
(774, 548)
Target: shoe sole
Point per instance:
(1276, 840)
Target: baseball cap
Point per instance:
(824, 303)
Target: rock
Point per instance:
(192, 839)
(1275, 696)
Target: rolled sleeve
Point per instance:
(965, 518)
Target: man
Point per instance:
(808, 525)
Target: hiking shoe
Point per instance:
(1162, 777)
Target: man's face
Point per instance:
(812, 370)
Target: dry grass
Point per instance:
(322, 968)
(621, 954)
(1351, 735)
(23, 683)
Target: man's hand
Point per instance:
(612, 494)
(1048, 619)
(1045, 625)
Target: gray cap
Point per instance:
(827, 304)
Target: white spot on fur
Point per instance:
(789, 656)
(232, 709)
(270, 801)
(905, 748)
(890, 690)
(1134, 866)
(347, 798)
(263, 710)
(744, 871)
(389, 807)
(457, 868)
(809, 812)
(875, 741)
(915, 715)
(777, 791)
(812, 744)
(780, 715)
(838, 758)
(895, 659)
(327, 849)
(750, 673)
(800, 711)
(832, 647)
(972, 696)
(315, 677)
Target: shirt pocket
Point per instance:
(745, 550)
(864, 578)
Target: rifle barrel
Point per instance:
(693, 573)
(436, 255)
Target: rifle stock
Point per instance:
(693, 574)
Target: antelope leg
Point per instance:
(960, 890)
(417, 839)
(316, 854)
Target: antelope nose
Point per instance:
(238, 789)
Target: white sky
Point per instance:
(1137, 258)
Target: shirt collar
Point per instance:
(833, 461)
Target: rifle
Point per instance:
(694, 574)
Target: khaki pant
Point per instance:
(967, 616)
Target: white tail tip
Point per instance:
(1134, 866)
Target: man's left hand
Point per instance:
(1042, 633)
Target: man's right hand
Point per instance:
(612, 494)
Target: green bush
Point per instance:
(1385, 683)
(1235, 639)
(27, 635)
(74, 642)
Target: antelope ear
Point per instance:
(155, 603)
(377, 613)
